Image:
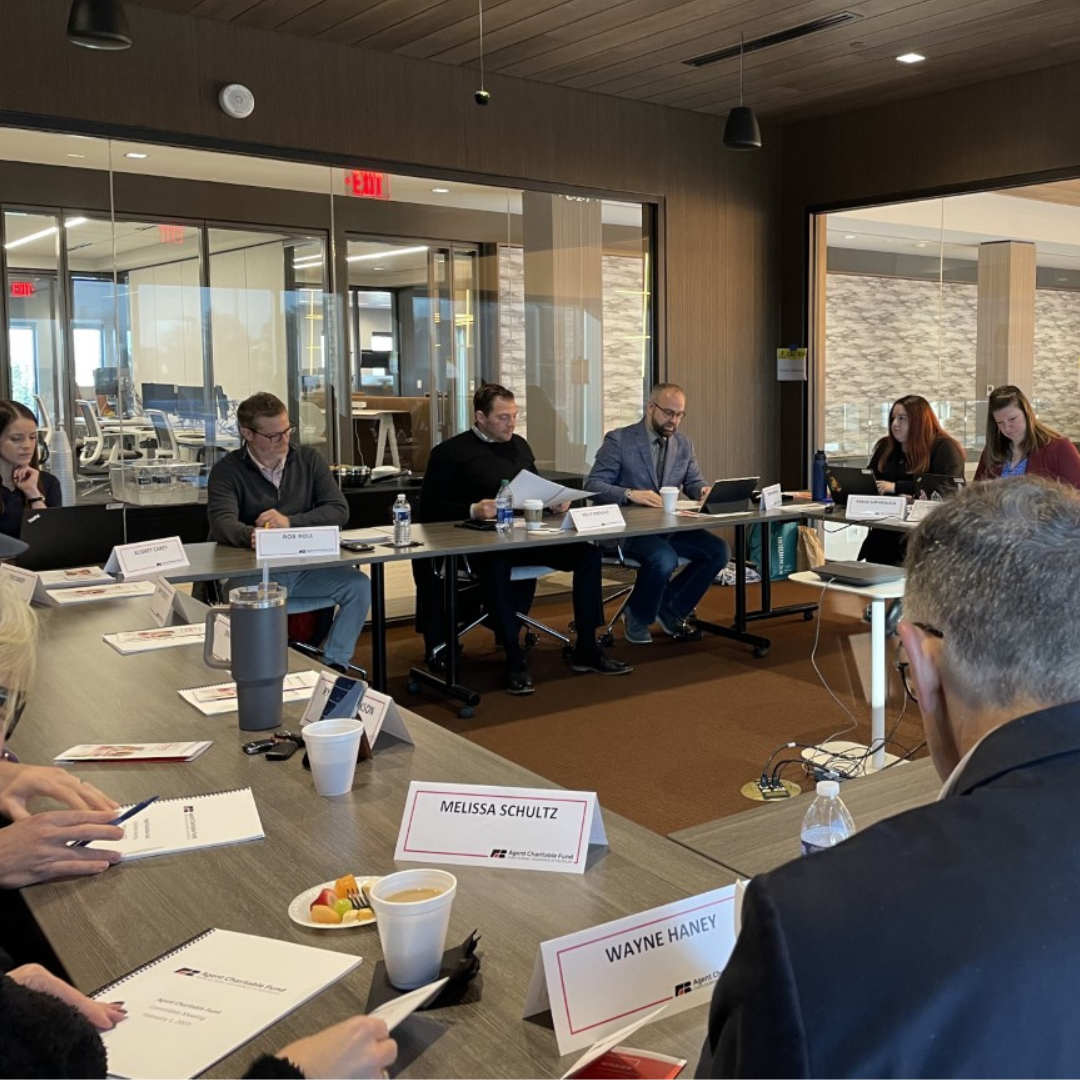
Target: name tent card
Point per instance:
(379, 712)
(151, 557)
(319, 541)
(591, 518)
(875, 507)
(921, 508)
(164, 603)
(772, 498)
(595, 980)
(25, 583)
(502, 828)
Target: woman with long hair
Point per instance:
(22, 483)
(1018, 442)
(916, 445)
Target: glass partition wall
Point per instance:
(946, 298)
(149, 289)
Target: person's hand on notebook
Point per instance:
(104, 1015)
(21, 783)
(358, 1047)
(38, 848)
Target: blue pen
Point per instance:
(136, 809)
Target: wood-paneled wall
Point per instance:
(718, 210)
(1026, 127)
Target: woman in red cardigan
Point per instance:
(1018, 443)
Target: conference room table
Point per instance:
(767, 836)
(102, 927)
(451, 542)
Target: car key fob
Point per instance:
(282, 751)
(259, 746)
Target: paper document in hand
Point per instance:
(189, 823)
(527, 485)
(197, 1003)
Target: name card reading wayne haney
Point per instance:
(320, 541)
(591, 518)
(874, 507)
(595, 980)
(151, 557)
(502, 828)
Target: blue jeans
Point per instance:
(655, 590)
(343, 587)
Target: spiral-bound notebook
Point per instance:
(195, 1004)
(189, 823)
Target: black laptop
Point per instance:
(844, 481)
(849, 572)
(730, 496)
(66, 536)
(930, 484)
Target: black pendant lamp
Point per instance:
(98, 24)
(741, 132)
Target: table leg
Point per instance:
(738, 632)
(877, 682)
(767, 611)
(395, 458)
(378, 627)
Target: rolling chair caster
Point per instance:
(760, 652)
(531, 640)
(466, 712)
(412, 687)
(606, 640)
(807, 616)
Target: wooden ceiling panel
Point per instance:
(637, 48)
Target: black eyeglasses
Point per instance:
(903, 666)
(671, 414)
(275, 437)
(12, 704)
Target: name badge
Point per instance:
(772, 498)
(318, 541)
(151, 557)
(591, 518)
(500, 828)
(595, 980)
(875, 507)
(378, 713)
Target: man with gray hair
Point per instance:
(944, 941)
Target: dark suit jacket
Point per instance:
(944, 942)
(625, 462)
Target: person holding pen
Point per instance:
(50, 1027)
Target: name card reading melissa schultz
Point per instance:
(501, 828)
(595, 980)
(151, 557)
(318, 541)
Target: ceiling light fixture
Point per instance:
(136, 156)
(98, 24)
(482, 96)
(440, 190)
(70, 223)
(911, 58)
(387, 254)
(741, 132)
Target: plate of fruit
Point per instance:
(334, 905)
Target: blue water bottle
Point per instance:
(819, 487)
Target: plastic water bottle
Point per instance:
(402, 522)
(827, 822)
(819, 487)
(504, 508)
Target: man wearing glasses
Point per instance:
(631, 466)
(943, 941)
(270, 484)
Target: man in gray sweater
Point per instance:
(268, 483)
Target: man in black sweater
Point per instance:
(268, 483)
(462, 477)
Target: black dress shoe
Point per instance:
(519, 681)
(599, 663)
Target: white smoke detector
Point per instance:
(237, 100)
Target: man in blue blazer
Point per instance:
(943, 941)
(632, 466)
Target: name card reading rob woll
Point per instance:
(151, 557)
(318, 541)
(501, 828)
(595, 980)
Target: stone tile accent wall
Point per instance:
(887, 337)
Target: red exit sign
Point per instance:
(23, 288)
(171, 234)
(365, 184)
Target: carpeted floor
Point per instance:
(672, 744)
